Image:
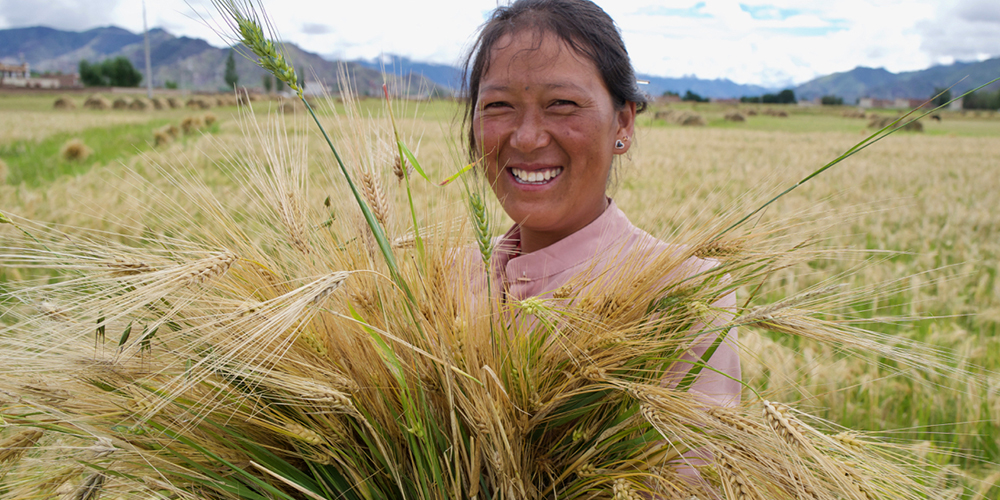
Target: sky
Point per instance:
(773, 43)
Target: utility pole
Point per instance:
(149, 71)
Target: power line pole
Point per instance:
(149, 71)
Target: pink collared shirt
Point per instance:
(599, 253)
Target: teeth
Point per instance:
(536, 176)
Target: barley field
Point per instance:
(908, 227)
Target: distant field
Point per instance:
(917, 210)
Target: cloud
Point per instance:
(61, 14)
(964, 30)
(768, 12)
(695, 11)
(316, 29)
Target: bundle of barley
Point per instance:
(198, 103)
(880, 122)
(75, 150)
(192, 124)
(735, 116)
(270, 349)
(683, 118)
(158, 103)
(780, 113)
(140, 104)
(751, 112)
(161, 137)
(171, 130)
(173, 102)
(854, 113)
(97, 102)
(64, 102)
(209, 119)
(120, 103)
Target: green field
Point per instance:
(909, 224)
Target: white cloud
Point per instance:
(963, 30)
(771, 42)
(61, 14)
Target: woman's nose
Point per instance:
(529, 133)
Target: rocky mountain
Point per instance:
(191, 63)
(882, 84)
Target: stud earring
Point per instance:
(619, 144)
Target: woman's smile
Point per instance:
(535, 177)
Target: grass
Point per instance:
(39, 163)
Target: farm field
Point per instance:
(909, 226)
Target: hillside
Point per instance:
(191, 62)
(882, 84)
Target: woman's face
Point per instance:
(547, 127)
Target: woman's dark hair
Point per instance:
(584, 26)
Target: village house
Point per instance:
(20, 76)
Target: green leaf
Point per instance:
(125, 334)
(413, 161)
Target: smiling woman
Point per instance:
(553, 102)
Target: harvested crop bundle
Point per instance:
(75, 150)
(64, 102)
(97, 102)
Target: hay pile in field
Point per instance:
(120, 103)
(735, 116)
(880, 122)
(751, 112)
(140, 104)
(199, 102)
(854, 113)
(64, 102)
(75, 150)
(683, 118)
(192, 124)
(97, 102)
(209, 119)
(173, 102)
(158, 103)
(780, 113)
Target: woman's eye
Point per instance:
(563, 102)
(495, 105)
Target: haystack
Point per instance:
(97, 102)
(120, 103)
(192, 124)
(735, 116)
(751, 112)
(75, 150)
(161, 137)
(64, 102)
(209, 119)
(140, 104)
(691, 119)
(158, 103)
(173, 102)
(880, 122)
(854, 113)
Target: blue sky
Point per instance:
(773, 43)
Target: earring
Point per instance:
(619, 144)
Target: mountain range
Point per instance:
(194, 64)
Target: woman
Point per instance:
(553, 100)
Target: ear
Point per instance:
(626, 127)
